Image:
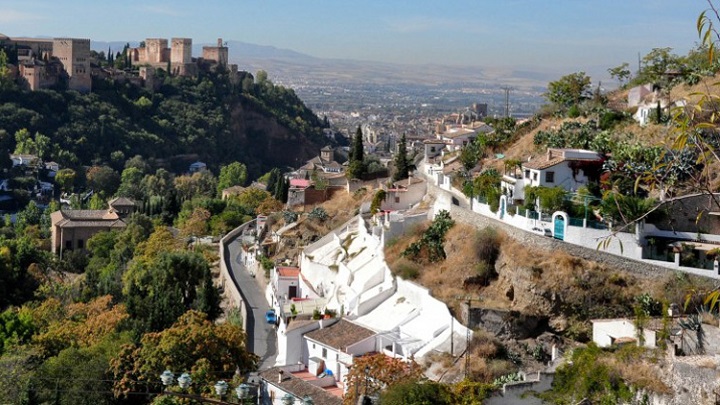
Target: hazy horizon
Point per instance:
(559, 36)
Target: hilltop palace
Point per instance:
(43, 63)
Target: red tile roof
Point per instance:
(288, 271)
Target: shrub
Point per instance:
(487, 245)
(573, 111)
(318, 213)
(431, 244)
(377, 200)
(406, 269)
(290, 216)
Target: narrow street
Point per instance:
(262, 338)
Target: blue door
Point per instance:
(502, 208)
(559, 232)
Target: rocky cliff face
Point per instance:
(558, 287)
(264, 143)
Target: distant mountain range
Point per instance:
(294, 66)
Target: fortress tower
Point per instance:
(155, 50)
(217, 53)
(74, 54)
(181, 51)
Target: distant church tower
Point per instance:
(326, 154)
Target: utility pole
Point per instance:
(468, 299)
(507, 100)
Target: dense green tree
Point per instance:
(30, 215)
(569, 90)
(234, 174)
(273, 176)
(131, 184)
(620, 73)
(193, 343)
(65, 179)
(103, 179)
(201, 183)
(6, 80)
(656, 64)
(138, 162)
(159, 290)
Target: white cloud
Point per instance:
(14, 16)
(415, 24)
(163, 10)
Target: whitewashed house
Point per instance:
(331, 349)
(565, 168)
(197, 167)
(277, 384)
(455, 137)
(404, 194)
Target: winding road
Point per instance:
(262, 338)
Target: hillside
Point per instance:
(214, 118)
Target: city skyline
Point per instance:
(562, 35)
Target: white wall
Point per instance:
(404, 199)
(605, 330)
(291, 344)
(334, 359)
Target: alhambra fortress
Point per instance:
(44, 63)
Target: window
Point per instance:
(324, 353)
(534, 176)
(81, 244)
(397, 199)
(527, 174)
(68, 244)
(549, 177)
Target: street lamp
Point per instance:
(184, 381)
(288, 399)
(242, 391)
(167, 378)
(221, 388)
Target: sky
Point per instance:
(565, 35)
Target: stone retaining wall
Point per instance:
(229, 284)
(528, 238)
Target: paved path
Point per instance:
(262, 338)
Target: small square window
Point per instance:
(550, 177)
(397, 200)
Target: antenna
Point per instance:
(507, 90)
(468, 299)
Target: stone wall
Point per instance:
(528, 238)
(229, 284)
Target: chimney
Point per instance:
(220, 43)
(549, 154)
(280, 376)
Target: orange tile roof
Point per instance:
(288, 271)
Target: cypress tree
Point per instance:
(356, 167)
(357, 153)
(402, 165)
